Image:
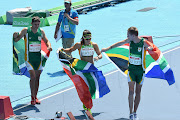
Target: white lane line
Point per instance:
(171, 50)
(74, 87)
(46, 97)
(57, 93)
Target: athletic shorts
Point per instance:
(67, 43)
(136, 76)
(34, 65)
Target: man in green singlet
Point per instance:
(136, 70)
(32, 37)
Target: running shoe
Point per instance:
(37, 101)
(87, 109)
(131, 117)
(33, 101)
(135, 116)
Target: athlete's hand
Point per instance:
(96, 59)
(62, 49)
(149, 48)
(49, 48)
(15, 35)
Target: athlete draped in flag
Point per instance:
(136, 70)
(32, 37)
(86, 50)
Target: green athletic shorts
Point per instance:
(136, 76)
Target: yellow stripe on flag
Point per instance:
(118, 56)
(15, 59)
(16, 50)
(126, 72)
(74, 62)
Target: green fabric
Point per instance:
(136, 75)
(134, 51)
(91, 83)
(34, 57)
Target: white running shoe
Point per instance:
(135, 116)
(131, 117)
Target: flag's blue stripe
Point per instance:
(156, 72)
(92, 68)
(169, 76)
(103, 88)
(25, 72)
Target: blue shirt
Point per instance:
(68, 29)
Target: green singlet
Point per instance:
(135, 68)
(33, 46)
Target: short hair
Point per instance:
(35, 19)
(133, 31)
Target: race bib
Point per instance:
(87, 51)
(34, 47)
(135, 60)
(66, 28)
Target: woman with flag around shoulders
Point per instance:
(86, 51)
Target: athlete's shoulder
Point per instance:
(41, 29)
(24, 30)
(78, 44)
(93, 43)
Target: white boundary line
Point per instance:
(57, 93)
(74, 87)
(171, 50)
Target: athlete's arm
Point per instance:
(116, 45)
(17, 36)
(148, 47)
(48, 44)
(73, 48)
(98, 52)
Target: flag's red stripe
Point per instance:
(82, 89)
(127, 44)
(155, 53)
(44, 48)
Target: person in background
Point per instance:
(67, 21)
